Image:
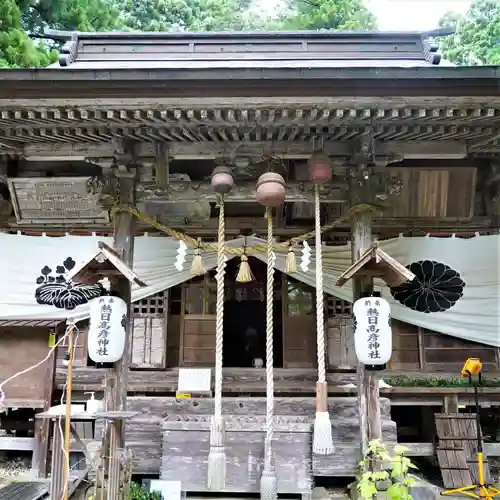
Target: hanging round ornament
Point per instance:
(320, 168)
(271, 190)
(106, 338)
(222, 180)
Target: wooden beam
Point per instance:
(99, 153)
(188, 192)
(429, 449)
(386, 226)
(8, 443)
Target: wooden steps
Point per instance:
(457, 449)
(24, 491)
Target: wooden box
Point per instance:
(186, 447)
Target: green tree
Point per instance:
(339, 15)
(189, 15)
(17, 50)
(477, 37)
(72, 15)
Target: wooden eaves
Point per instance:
(104, 264)
(375, 263)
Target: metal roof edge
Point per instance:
(238, 35)
(157, 75)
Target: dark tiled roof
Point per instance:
(246, 50)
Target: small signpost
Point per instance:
(194, 382)
(371, 263)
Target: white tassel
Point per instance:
(269, 484)
(322, 434)
(217, 456)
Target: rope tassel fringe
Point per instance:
(244, 272)
(291, 261)
(197, 267)
(322, 434)
(217, 456)
(269, 485)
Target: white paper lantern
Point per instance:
(106, 340)
(372, 331)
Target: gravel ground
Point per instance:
(12, 466)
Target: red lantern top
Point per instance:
(271, 190)
(320, 168)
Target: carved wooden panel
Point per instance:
(148, 347)
(434, 192)
(55, 200)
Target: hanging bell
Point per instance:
(320, 168)
(271, 190)
(222, 180)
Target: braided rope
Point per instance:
(322, 432)
(271, 258)
(320, 319)
(219, 322)
(217, 457)
(188, 240)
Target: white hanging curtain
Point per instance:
(465, 277)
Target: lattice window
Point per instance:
(155, 304)
(338, 307)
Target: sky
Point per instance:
(398, 15)
(413, 15)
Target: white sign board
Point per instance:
(170, 490)
(194, 380)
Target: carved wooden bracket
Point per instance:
(373, 186)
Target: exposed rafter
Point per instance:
(103, 154)
(200, 130)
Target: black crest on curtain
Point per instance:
(55, 289)
(436, 287)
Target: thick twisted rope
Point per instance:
(193, 242)
(217, 457)
(219, 322)
(322, 436)
(320, 317)
(268, 489)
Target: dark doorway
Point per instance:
(245, 317)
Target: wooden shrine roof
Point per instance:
(326, 49)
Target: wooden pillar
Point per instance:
(367, 381)
(450, 403)
(116, 387)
